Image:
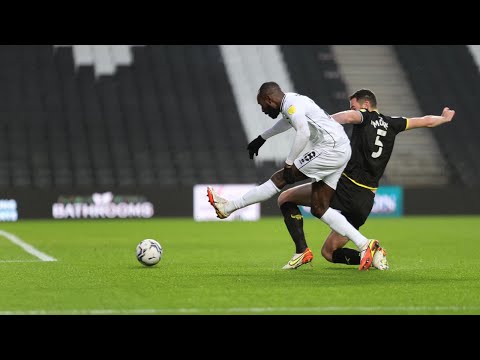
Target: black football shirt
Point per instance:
(372, 144)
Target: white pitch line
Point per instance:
(27, 247)
(334, 309)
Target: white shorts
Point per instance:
(325, 164)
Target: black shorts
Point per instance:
(354, 202)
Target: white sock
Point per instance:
(258, 194)
(339, 223)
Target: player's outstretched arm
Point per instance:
(279, 127)
(431, 120)
(348, 117)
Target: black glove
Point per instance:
(255, 145)
(288, 174)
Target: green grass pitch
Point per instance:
(235, 268)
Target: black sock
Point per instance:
(346, 256)
(294, 220)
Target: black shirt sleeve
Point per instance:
(398, 123)
(366, 116)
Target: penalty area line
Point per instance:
(26, 247)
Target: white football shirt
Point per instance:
(311, 123)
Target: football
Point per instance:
(149, 252)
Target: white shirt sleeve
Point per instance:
(299, 122)
(280, 126)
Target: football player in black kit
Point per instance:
(372, 143)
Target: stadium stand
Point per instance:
(447, 75)
(154, 115)
(248, 66)
(376, 67)
(314, 72)
(168, 117)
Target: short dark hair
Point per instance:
(365, 94)
(268, 88)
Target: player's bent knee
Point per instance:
(282, 199)
(317, 211)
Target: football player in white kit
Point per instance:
(324, 163)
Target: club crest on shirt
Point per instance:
(291, 110)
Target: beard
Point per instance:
(273, 113)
